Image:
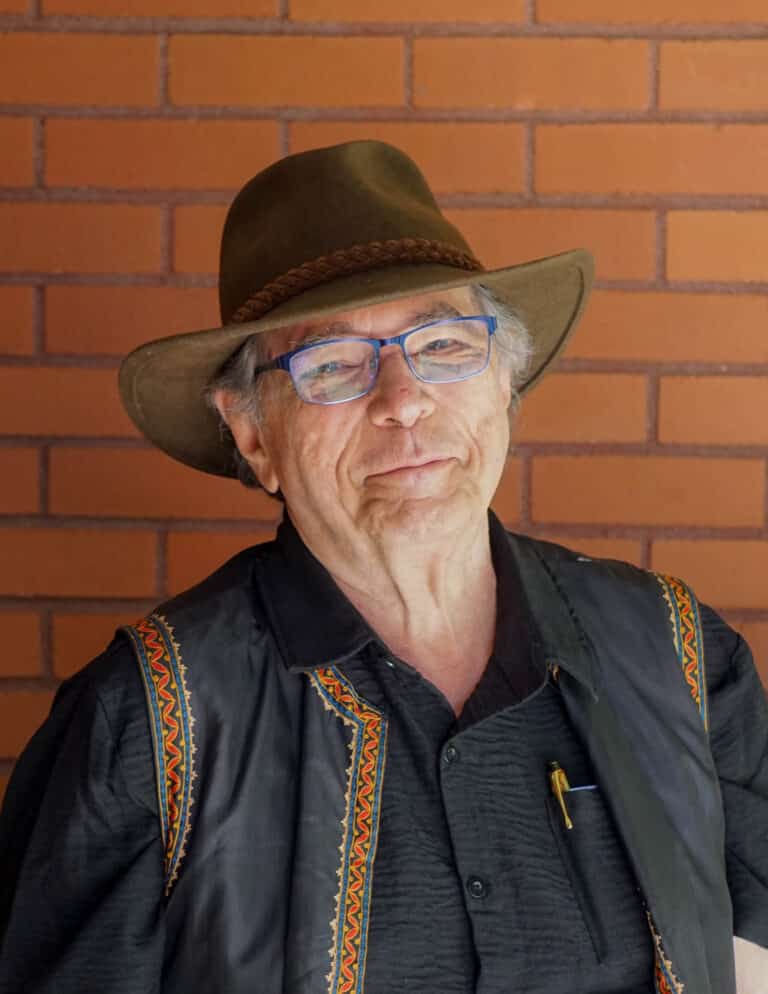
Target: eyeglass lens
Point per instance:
(444, 352)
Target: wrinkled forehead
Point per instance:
(378, 320)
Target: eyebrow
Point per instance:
(441, 309)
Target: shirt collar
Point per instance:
(315, 624)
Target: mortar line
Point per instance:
(43, 466)
(45, 621)
(283, 138)
(167, 239)
(395, 113)
(283, 25)
(645, 551)
(161, 562)
(654, 74)
(39, 152)
(653, 389)
(661, 247)
(163, 70)
(408, 72)
(529, 159)
(38, 320)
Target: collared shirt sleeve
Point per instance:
(739, 740)
(81, 863)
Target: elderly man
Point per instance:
(398, 748)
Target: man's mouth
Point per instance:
(422, 465)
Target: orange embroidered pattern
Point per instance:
(689, 643)
(666, 981)
(171, 722)
(360, 826)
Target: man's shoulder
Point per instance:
(557, 557)
(224, 598)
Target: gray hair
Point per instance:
(513, 343)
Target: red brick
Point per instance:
(718, 245)
(60, 402)
(183, 155)
(198, 238)
(756, 635)
(490, 159)
(17, 144)
(286, 71)
(163, 8)
(16, 331)
(647, 490)
(506, 501)
(112, 320)
(91, 69)
(652, 158)
(530, 73)
(21, 714)
(714, 75)
(194, 555)
(19, 493)
(21, 644)
(447, 11)
(79, 238)
(585, 407)
(624, 549)
(714, 410)
(77, 562)
(623, 242)
(724, 573)
(14, 6)
(673, 327)
(652, 11)
(78, 638)
(128, 483)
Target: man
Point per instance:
(398, 748)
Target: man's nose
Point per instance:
(398, 397)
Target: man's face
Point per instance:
(410, 460)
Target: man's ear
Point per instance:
(249, 439)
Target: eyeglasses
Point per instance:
(339, 369)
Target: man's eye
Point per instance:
(331, 368)
(441, 345)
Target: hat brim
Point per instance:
(163, 383)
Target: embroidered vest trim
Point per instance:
(171, 721)
(360, 828)
(685, 621)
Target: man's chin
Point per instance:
(419, 518)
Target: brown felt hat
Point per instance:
(319, 232)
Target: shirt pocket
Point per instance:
(596, 864)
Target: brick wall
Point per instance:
(638, 130)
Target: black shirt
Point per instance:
(478, 886)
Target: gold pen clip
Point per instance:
(558, 781)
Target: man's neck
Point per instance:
(434, 606)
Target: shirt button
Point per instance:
(477, 888)
(450, 755)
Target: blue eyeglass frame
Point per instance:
(284, 361)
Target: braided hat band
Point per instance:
(356, 259)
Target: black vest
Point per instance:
(269, 776)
